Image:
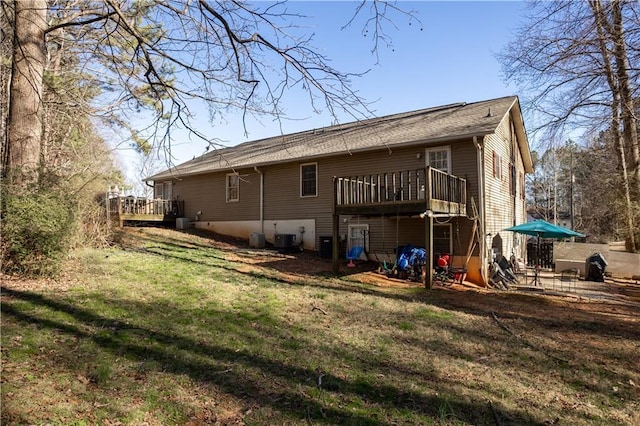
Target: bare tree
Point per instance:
(617, 34)
(618, 80)
(160, 55)
(578, 62)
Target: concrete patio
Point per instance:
(549, 282)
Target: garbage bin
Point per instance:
(594, 267)
(326, 247)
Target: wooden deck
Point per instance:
(407, 192)
(124, 209)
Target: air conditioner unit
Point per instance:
(256, 240)
(284, 241)
(182, 223)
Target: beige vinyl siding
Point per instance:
(282, 192)
(282, 189)
(465, 165)
(502, 208)
(207, 193)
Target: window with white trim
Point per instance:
(439, 158)
(159, 187)
(309, 180)
(163, 190)
(358, 237)
(233, 187)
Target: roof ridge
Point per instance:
(391, 117)
(426, 124)
(342, 126)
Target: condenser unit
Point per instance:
(284, 241)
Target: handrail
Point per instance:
(418, 185)
(145, 206)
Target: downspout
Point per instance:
(261, 198)
(481, 211)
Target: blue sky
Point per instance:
(452, 59)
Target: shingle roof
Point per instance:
(441, 123)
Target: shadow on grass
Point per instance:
(508, 305)
(230, 370)
(521, 308)
(282, 259)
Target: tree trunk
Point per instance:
(630, 123)
(617, 109)
(24, 128)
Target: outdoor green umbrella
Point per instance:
(542, 229)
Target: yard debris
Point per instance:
(525, 342)
(314, 307)
(496, 418)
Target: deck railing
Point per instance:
(143, 206)
(426, 185)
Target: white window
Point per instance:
(164, 190)
(233, 187)
(439, 158)
(159, 190)
(309, 180)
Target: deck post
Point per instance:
(336, 222)
(120, 219)
(336, 246)
(428, 276)
(428, 227)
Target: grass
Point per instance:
(170, 328)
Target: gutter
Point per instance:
(261, 198)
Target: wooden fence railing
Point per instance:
(420, 185)
(123, 206)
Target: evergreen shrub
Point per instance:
(37, 228)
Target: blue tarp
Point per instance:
(410, 256)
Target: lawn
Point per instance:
(171, 327)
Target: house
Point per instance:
(448, 178)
